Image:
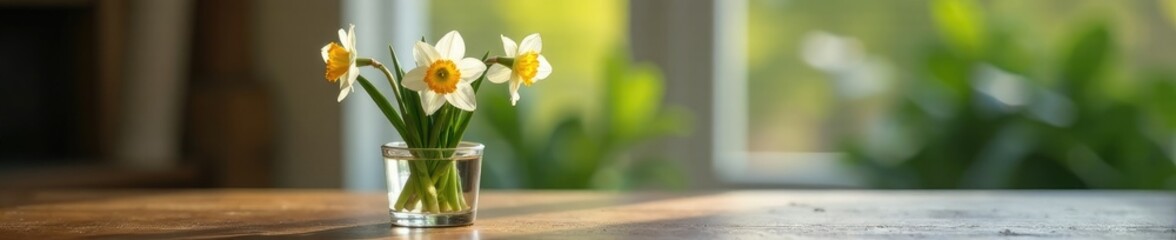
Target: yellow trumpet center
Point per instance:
(526, 66)
(338, 62)
(442, 77)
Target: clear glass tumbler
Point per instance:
(433, 187)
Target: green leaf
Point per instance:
(961, 23)
(951, 72)
(1085, 60)
(1161, 98)
(633, 101)
(1013, 55)
(386, 108)
(414, 115)
(570, 156)
(636, 99)
(463, 118)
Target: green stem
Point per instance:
(396, 90)
(413, 200)
(463, 118)
(439, 172)
(409, 187)
(413, 101)
(438, 125)
(455, 184)
(411, 194)
(443, 201)
(427, 192)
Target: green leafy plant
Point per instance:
(1084, 122)
(598, 151)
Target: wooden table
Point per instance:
(330, 214)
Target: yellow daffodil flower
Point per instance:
(528, 65)
(443, 74)
(340, 61)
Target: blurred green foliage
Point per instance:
(1088, 118)
(593, 123)
(1169, 8)
(606, 150)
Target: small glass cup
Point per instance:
(433, 187)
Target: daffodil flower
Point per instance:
(526, 66)
(443, 74)
(340, 60)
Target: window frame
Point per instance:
(731, 161)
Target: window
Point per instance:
(797, 79)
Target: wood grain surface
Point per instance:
(792, 214)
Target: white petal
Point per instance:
(471, 69)
(424, 54)
(343, 38)
(347, 82)
(343, 80)
(463, 98)
(514, 91)
(326, 52)
(451, 46)
(498, 73)
(343, 93)
(351, 41)
(531, 43)
(415, 79)
(431, 102)
(352, 74)
(544, 69)
(509, 46)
